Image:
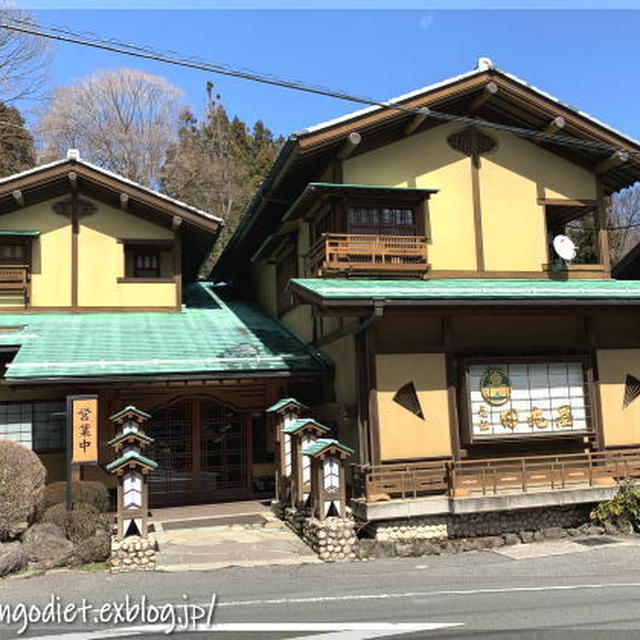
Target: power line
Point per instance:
(64, 34)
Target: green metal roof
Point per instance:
(126, 433)
(127, 457)
(209, 337)
(468, 289)
(324, 443)
(129, 409)
(281, 404)
(300, 423)
(19, 233)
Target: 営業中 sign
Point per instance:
(83, 420)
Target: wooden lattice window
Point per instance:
(146, 262)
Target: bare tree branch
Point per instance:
(124, 120)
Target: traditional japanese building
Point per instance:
(412, 243)
(99, 294)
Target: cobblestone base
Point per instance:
(333, 539)
(491, 523)
(133, 554)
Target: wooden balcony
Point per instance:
(15, 279)
(342, 253)
(498, 476)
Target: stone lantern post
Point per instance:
(132, 469)
(303, 432)
(328, 487)
(282, 414)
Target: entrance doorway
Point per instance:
(202, 450)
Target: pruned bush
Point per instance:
(84, 491)
(624, 507)
(96, 548)
(22, 478)
(79, 524)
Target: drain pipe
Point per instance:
(354, 328)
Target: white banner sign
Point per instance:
(527, 399)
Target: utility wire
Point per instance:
(65, 34)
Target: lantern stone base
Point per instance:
(133, 554)
(333, 539)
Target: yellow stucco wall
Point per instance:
(402, 434)
(263, 277)
(342, 353)
(621, 426)
(512, 177)
(100, 258)
(427, 161)
(97, 278)
(299, 320)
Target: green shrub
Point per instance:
(22, 478)
(623, 507)
(79, 524)
(84, 491)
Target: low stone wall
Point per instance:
(370, 548)
(133, 554)
(490, 523)
(333, 539)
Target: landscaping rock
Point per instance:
(625, 528)
(13, 557)
(492, 542)
(46, 545)
(572, 533)
(21, 488)
(538, 536)
(554, 533)
(610, 529)
(511, 539)
(526, 536)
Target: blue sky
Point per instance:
(587, 58)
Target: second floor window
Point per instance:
(146, 263)
(12, 254)
(382, 221)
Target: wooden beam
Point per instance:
(18, 197)
(490, 90)
(562, 202)
(557, 124)
(124, 201)
(419, 118)
(615, 159)
(352, 141)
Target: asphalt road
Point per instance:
(588, 592)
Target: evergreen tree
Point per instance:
(17, 151)
(218, 164)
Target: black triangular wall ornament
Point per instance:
(407, 397)
(631, 390)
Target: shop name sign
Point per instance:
(523, 400)
(83, 419)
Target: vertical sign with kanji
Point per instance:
(83, 419)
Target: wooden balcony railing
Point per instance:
(336, 253)
(498, 476)
(15, 279)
